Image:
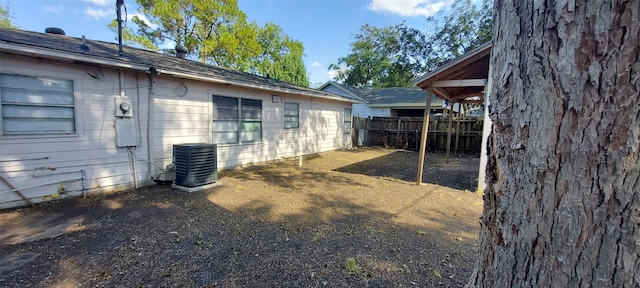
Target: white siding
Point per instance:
(176, 120)
(27, 161)
(362, 110)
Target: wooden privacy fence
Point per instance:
(405, 133)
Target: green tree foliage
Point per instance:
(281, 57)
(376, 59)
(217, 32)
(467, 27)
(129, 37)
(5, 18)
(391, 56)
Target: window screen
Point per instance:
(291, 115)
(36, 105)
(236, 120)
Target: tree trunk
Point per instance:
(562, 203)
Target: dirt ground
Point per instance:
(351, 218)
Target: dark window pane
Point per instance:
(251, 109)
(225, 108)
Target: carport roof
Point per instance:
(461, 80)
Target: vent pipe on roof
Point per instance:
(181, 51)
(119, 4)
(54, 30)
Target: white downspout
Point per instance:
(152, 90)
(121, 76)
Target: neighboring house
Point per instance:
(62, 119)
(387, 102)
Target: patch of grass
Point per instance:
(316, 237)
(373, 230)
(351, 266)
(406, 269)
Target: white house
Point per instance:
(81, 116)
(387, 102)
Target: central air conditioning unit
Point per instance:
(196, 164)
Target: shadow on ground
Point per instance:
(266, 226)
(460, 172)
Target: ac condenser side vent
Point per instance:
(196, 164)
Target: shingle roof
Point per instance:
(77, 49)
(382, 96)
(350, 92)
(395, 95)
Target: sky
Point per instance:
(325, 27)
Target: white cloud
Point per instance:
(332, 73)
(168, 44)
(316, 64)
(101, 2)
(143, 18)
(408, 7)
(98, 13)
(54, 9)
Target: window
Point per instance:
(236, 120)
(347, 120)
(36, 105)
(291, 115)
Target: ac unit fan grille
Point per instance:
(196, 164)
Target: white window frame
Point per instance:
(14, 100)
(289, 114)
(348, 118)
(234, 124)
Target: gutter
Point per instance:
(258, 87)
(409, 105)
(54, 54)
(30, 51)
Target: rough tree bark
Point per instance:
(562, 204)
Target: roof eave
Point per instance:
(339, 86)
(424, 78)
(66, 56)
(59, 55)
(398, 105)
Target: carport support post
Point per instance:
(449, 133)
(458, 128)
(425, 131)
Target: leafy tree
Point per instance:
(467, 27)
(377, 59)
(213, 31)
(5, 18)
(391, 56)
(217, 32)
(130, 37)
(562, 203)
(281, 57)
